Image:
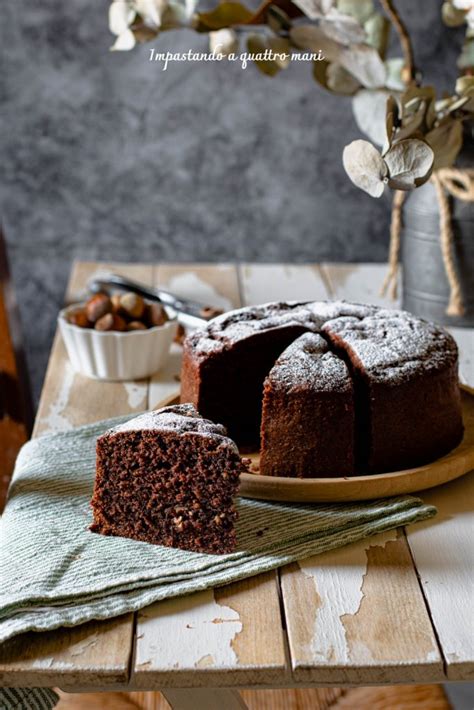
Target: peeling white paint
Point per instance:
(189, 285)
(55, 420)
(338, 577)
(187, 632)
(136, 394)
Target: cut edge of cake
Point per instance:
(168, 477)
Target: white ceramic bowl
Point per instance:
(111, 355)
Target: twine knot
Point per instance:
(447, 182)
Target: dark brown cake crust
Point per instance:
(169, 478)
(407, 399)
(308, 422)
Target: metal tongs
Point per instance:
(190, 314)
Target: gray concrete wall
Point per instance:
(106, 156)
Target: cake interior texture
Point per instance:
(168, 479)
(232, 383)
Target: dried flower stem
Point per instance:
(405, 40)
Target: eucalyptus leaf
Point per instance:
(411, 122)
(365, 167)
(418, 108)
(377, 29)
(150, 11)
(121, 16)
(144, 33)
(320, 73)
(224, 15)
(413, 96)
(466, 60)
(446, 142)
(342, 28)
(458, 103)
(224, 42)
(314, 9)
(280, 47)
(394, 68)
(178, 14)
(277, 19)
(465, 85)
(360, 9)
(339, 81)
(369, 108)
(409, 164)
(452, 17)
(365, 64)
(124, 42)
(313, 38)
(360, 60)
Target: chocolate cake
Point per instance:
(168, 477)
(308, 419)
(404, 371)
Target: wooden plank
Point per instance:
(360, 283)
(443, 551)
(278, 282)
(226, 637)
(357, 615)
(94, 654)
(231, 635)
(97, 653)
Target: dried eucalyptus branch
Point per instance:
(417, 133)
(409, 70)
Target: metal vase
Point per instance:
(425, 285)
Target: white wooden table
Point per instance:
(393, 609)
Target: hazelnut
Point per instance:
(115, 299)
(136, 325)
(180, 334)
(111, 321)
(155, 314)
(132, 304)
(208, 312)
(98, 306)
(79, 318)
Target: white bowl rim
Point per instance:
(172, 320)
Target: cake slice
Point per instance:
(168, 477)
(407, 397)
(308, 419)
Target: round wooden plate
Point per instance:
(332, 490)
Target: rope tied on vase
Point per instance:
(447, 182)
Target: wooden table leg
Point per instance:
(204, 699)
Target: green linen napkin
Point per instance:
(54, 572)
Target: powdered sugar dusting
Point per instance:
(390, 344)
(308, 363)
(179, 418)
(226, 330)
(394, 345)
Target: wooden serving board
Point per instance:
(336, 490)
